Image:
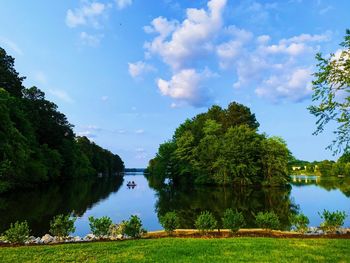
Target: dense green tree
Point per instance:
(37, 143)
(221, 146)
(9, 77)
(331, 88)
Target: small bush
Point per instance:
(133, 227)
(170, 221)
(62, 225)
(205, 222)
(332, 220)
(267, 220)
(300, 222)
(17, 233)
(100, 226)
(117, 229)
(233, 220)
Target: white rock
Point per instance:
(90, 237)
(47, 239)
(77, 238)
(120, 236)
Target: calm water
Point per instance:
(112, 197)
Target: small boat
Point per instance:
(131, 184)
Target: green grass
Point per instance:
(187, 250)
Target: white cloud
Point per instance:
(140, 131)
(40, 77)
(7, 43)
(121, 4)
(90, 40)
(61, 94)
(104, 98)
(186, 85)
(87, 134)
(141, 153)
(294, 85)
(138, 68)
(182, 45)
(279, 71)
(177, 45)
(88, 14)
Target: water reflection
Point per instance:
(40, 205)
(188, 203)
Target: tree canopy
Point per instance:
(331, 88)
(221, 147)
(37, 143)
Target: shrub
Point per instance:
(62, 225)
(300, 222)
(267, 220)
(133, 227)
(117, 229)
(332, 220)
(100, 226)
(205, 222)
(170, 221)
(233, 220)
(17, 233)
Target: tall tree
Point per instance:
(331, 88)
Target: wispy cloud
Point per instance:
(90, 40)
(121, 4)
(61, 94)
(7, 43)
(87, 14)
(139, 68)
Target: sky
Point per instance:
(128, 72)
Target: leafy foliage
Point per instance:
(221, 147)
(100, 226)
(331, 86)
(17, 233)
(133, 227)
(300, 222)
(205, 222)
(267, 220)
(233, 220)
(332, 220)
(117, 229)
(170, 221)
(62, 225)
(37, 141)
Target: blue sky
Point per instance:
(128, 72)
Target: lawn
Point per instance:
(187, 250)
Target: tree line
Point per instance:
(37, 143)
(221, 147)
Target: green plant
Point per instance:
(332, 220)
(233, 220)
(267, 220)
(100, 226)
(300, 222)
(170, 221)
(62, 225)
(133, 227)
(117, 229)
(205, 222)
(17, 233)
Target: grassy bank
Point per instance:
(187, 250)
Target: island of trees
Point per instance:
(37, 143)
(221, 147)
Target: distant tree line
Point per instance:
(341, 167)
(221, 147)
(37, 143)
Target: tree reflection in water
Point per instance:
(189, 202)
(40, 205)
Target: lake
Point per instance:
(111, 197)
